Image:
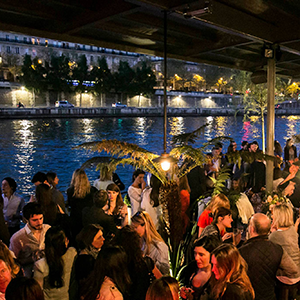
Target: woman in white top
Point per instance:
(136, 189)
(104, 180)
(53, 272)
(150, 202)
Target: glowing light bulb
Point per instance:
(165, 165)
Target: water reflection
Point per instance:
(25, 149)
(221, 126)
(29, 146)
(209, 128)
(292, 125)
(141, 130)
(176, 125)
(246, 129)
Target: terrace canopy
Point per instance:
(228, 33)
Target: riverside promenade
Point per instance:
(95, 112)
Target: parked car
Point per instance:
(63, 103)
(118, 104)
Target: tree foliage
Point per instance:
(33, 74)
(61, 74)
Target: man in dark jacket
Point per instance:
(264, 258)
(96, 214)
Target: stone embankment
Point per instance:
(34, 113)
(94, 112)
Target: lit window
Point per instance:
(38, 41)
(46, 43)
(32, 41)
(0, 60)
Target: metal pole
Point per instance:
(165, 81)
(271, 77)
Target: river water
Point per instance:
(29, 146)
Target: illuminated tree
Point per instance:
(198, 81)
(177, 82)
(293, 88)
(221, 84)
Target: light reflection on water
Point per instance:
(176, 125)
(221, 124)
(28, 146)
(292, 126)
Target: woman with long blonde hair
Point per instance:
(230, 270)
(80, 195)
(7, 255)
(284, 234)
(152, 243)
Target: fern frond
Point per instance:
(189, 153)
(146, 165)
(189, 137)
(117, 148)
(216, 140)
(219, 183)
(96, 161)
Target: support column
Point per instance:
(271, 77)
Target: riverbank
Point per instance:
(76, 112)
(95, 112)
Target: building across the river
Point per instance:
(13, 47)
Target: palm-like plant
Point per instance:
(188, 157)
(131, 154)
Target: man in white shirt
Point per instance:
(28, 243)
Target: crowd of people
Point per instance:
(95, 245)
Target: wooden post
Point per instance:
(271, 77)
